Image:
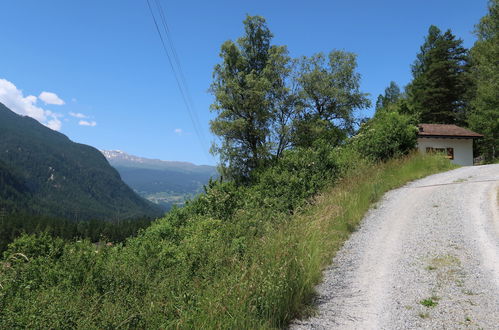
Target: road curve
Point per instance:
(426, 256)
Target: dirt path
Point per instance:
(427, 256)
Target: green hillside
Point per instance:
(165, 183)
(299, 170)
(14, 194)
(43, 172)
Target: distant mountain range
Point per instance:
(43, 172)
(165, 183)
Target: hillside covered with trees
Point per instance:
(300, 166)
(50, 184)
(53, 176)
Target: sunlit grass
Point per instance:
(255, 269)
(277, 282)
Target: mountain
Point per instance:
(165, 183)
(14, 194)
(43, 172)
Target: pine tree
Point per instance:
(439, 90)
(392, 95)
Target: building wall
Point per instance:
(463, 148)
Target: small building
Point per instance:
(454, 141)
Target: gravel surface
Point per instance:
(426, 256)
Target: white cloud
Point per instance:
(87, 123)
(78, 115)
(178, 131)
(14, 99)
(54, 124)
(51, 98)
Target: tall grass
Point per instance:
(275, 283)
(231, 259)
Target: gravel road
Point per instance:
(426, 256)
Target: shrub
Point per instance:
(388, 134)
(235, 257)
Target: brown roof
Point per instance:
(430, 130)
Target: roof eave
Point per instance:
(451, 136)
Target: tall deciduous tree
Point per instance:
(439, 90)
(330, 95)
(286, 104)
(484, 117)
(250, 91)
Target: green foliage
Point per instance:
(391, 96)
(33, 246)
(484, 117)
(249, 265)
(440, 89)
(388, 134)
(14, 225)
(43, 172)
(237, 256)
(245, 87)
(329, 94)
(14, 193)
(266, 102)
(429, 302)
(299, 175)
(310, 131)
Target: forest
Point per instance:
(248, 251)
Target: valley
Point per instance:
(356, 177)
(165, 183)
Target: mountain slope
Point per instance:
(58, 177)
(14, 194)
(163, 182)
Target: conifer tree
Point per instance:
(441, 84)
(392, 95)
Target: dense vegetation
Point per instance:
(455, 85)
(234, 257)
(42, 172)
(248, 252)
(484, 116)
(98, 231)
(267, 102)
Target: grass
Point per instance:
(445, 261)
(468, 292)
(149, 283)
(278, 284)
(430, 302)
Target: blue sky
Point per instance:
(107, 81)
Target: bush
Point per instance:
(387, 135)
(34, 246)
(235, 257)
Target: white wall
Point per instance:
(463, 148)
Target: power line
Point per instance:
(177, 63)
(177, 71)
